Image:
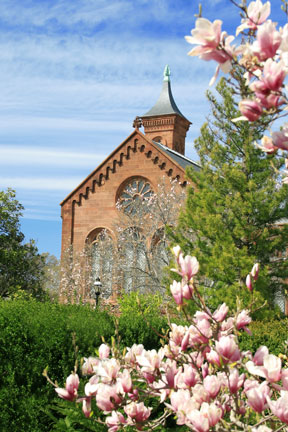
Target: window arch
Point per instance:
(134, 260)
(135, 191)
(101, 252)
(159, 247)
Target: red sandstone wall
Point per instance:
(93, 204)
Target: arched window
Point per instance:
(159, 247)
(133, 260)
(134, 193)
(102, 250)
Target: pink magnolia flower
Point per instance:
(221, 312)
(86, 407)
(200, 394)
(227, 326)
(182, 403)
(280, 139)
(213, 358)
(206, 34)
(250, 109)
(228, 349)
(261, 352)
(115, 421)
(137, 411)
(133, 352)
(107, 397)
(212, 44)
(199, 422)
(267, 145)
(212, 412)
(271, 369)
(249, 284)
(280, 407)
(177, 292)
(177, 334)
(176, 251)
(104, 351)
(212, 385)
(89, 365)
(257, 13)
(109, 370)
(255, 271)
(268, 40)
(257, 399)
(270, 100)
(71, 388)
(274, 74)
(189, 266)
(235, 382)
(243, 319)
(92, 386)
(150, 361)
(188, 378)
(124, 382)
(170, 373)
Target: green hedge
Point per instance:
(141, 319)
(34, 335)
(272, 333)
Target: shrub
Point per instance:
(141, 319)
(272, 333)
(34, 335)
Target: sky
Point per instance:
(74, 75)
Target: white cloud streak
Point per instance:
(48, 157)
(41, 183)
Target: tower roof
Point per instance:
(165, 104)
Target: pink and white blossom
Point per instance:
(104, 351)
(71, 388)
(257, 13)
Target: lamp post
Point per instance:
(96, 289)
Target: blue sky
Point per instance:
(73, 76)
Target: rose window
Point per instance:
(136, 191)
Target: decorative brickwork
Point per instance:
(92, 203)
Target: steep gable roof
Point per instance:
(108, 166)
(182, 160)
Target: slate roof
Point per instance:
(183, 161)
(166, 103)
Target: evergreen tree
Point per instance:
(233, 213)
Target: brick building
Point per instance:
(141, 159)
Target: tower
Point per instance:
(164, 122)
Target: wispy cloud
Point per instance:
(47, 157)
(41, 183)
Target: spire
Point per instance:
(165, 104)
(164, 123)
(167, 73)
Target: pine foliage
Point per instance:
(236, 205)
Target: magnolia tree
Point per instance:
(200, 376)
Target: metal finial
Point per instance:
(167, 73)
